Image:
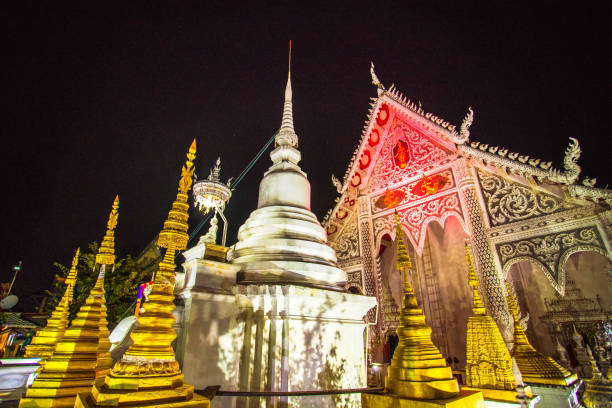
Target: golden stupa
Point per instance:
(82, 355)
(418, 375)
(45, 339)
(488, 362)
(148, 374)
(535, 367)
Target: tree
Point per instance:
(121, 283)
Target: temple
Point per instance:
(303, 313)
(527, 222)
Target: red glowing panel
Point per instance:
(401, 154)
(390, 199)
(365, 160)
(429, 185)
(383, 115)
(374, 137)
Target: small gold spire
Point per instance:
(45, 339)
(478, 308)
(174, 233)
(148, 373)
(106, 252)
(417, 369)
(488, 362)
(535, 367)
(403, 258)
(289, 57)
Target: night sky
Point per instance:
(100, 101)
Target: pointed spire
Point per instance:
(79, 358)
(106, 253)
(286, 135)
(417, 370)
(174, 234)
(148, 373)
(535, 367)
(488, 361)
(44, 341)
(477, 307)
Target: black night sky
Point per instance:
(105, 100)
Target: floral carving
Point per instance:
(346, 244)
(421, 152)
(415, 219)
(550, 252)
(510, 202)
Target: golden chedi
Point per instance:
(418, 375)
(148, 374)
(535, 367)
(82, 355)
(488, 362)
(45, 339)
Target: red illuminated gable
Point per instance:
(406, 152)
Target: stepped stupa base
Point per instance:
(162, 397)
(506, 398)
(465, 399)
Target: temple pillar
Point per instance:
(489, 275)
(369, 276)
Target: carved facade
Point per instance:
(510, 207)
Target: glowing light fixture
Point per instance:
(213, 194)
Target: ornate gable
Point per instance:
(406, 152)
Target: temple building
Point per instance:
(538, 227)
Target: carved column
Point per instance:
(370, 279)
(491, 279)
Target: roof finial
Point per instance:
(286, 135)
(376, 81)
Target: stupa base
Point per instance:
(465, 399)
(504, 398)
(57, 401)
(182, 396)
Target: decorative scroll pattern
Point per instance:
(489, 279)
(368, 267)
(409, 196)
(415, 219)
(550, 252)
(510, 202)
(346, 244)
(422, 151)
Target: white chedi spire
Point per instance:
(282, 241)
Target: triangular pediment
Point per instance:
(406, 152)
(398, 143)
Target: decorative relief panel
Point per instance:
(346, 244)
(415, 190)
(416, 218)
(550, 252)
(404, 153)
(508, 202)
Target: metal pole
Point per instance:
(16, 268)
(224, 226)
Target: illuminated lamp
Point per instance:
(213, 194)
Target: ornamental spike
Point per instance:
(106, 252)
(174, 233)
(403, 258)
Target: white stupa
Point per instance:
(282, 241)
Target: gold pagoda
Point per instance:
(488, 362)
(148, 374)
(418, 375)
(45, 339)
(535, 367)
(82, 355)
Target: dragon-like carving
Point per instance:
(464, 130)
(336, 184)
(375, 80)
(571, 170)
